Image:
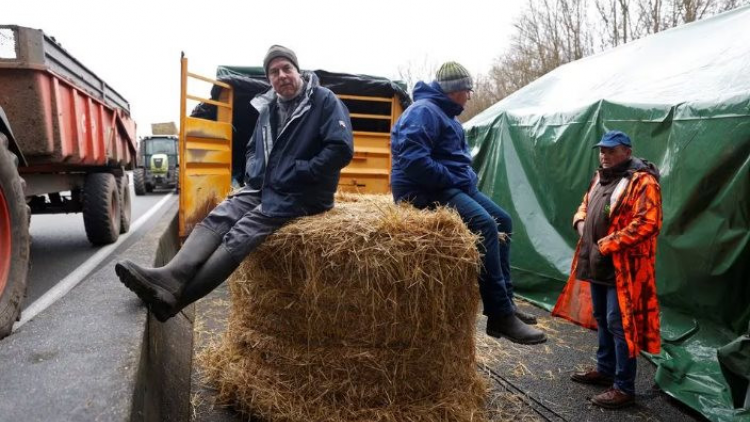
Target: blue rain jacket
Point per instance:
(429, 149)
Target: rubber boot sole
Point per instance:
(159, 300)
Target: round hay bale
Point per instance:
(364, 313)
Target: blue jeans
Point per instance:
(486, 218)
(612, 357)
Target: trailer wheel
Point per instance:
(123, 184)
(101, 208)
(14, 239)
(139, 181)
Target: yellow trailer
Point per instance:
(370, 169)
(205, 152)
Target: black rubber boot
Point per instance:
(160, 288)
(214, 272)
(512, 328)
(527, 318)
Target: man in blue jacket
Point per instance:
(302, 140)
(431, 165)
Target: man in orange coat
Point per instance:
(618, 223)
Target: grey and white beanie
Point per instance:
(453, 77)
(277, 51)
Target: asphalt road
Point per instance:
(59, 243)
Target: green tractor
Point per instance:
(158, 164)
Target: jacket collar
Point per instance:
(636, 165)
(432, 92)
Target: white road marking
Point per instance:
(71, 280)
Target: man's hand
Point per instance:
(579, 228)
(235, 191)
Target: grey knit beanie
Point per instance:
(277, 51)
(453, 77)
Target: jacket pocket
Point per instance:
(284, 175)
(303, 175)
(601, 266)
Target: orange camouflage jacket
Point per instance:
(635, 221)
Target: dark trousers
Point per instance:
(487, 219)
(612, 356)
(241, 223)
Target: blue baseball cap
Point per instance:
(614, 138)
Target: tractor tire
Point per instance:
(15, 239)
(101, 208)
(139, 181)
(123, 186)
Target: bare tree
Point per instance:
(617, 26)
(412, 72)
(656, 15)
(550, 33)
(484, 96)
(650, 15)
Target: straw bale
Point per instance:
(364, 313)
(166, 128)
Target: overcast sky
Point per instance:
(135, 45)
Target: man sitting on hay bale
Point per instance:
(432, 165)
(302, 140)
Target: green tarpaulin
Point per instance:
(683, 95)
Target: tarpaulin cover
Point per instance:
(683, 95)
(247, 82)
(339, 83)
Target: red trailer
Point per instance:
(66, 139)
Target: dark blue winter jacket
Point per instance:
(428, 147)
(305, 162)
